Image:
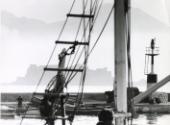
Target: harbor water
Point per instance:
(142, 119)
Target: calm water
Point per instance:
(142, 119)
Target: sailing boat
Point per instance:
(52, 105)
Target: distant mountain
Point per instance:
(97, 77)
(94, 77)
(141, 22)
(27, 26)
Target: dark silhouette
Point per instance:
(19, 109)
(19, 100)
(46, 106)
(105, 117)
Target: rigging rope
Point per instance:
(73, 75)
(78, 30)
(76, 54)
(130, 79)
(59, 36)
(91, 50)
(95, 41)
(81, 87)
(93, 8)
(76, 108)
(100, 34)
(86, 48)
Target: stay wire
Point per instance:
(81, 39)
(130, 79)
(99, 36)
(80, 94)
(65, 84)
(72, 76)
(102, 30)
(96, 40)
(74, 68)
(78, 50)
(81, 87)
(78, 30)
(52, 81)
(51, 55)
(95, 44)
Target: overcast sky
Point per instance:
(17, 52)
(54, 10)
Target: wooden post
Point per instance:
(120, 59)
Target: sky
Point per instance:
(19, 51)
(53, 10)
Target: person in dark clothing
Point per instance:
(19, 100)
(105, 117)
(19, 108)
(46, 106)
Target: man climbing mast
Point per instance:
(60, 80)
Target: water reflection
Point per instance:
(141, 119)
(151, 118)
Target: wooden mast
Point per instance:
(120, 46)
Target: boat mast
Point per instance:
(120, 87)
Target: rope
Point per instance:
(87, 57)
(49, 60)
(102, 30)
(68, 77)
(94, 43)
(130, 79)
(93, 8)
(72, 76)
(78, 30)
(79, 98)
(73, 45)
(51, 55)
(81, 87)
(100, 33)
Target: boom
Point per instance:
(152, 89)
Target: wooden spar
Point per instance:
(150, 90)
(120, 48)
